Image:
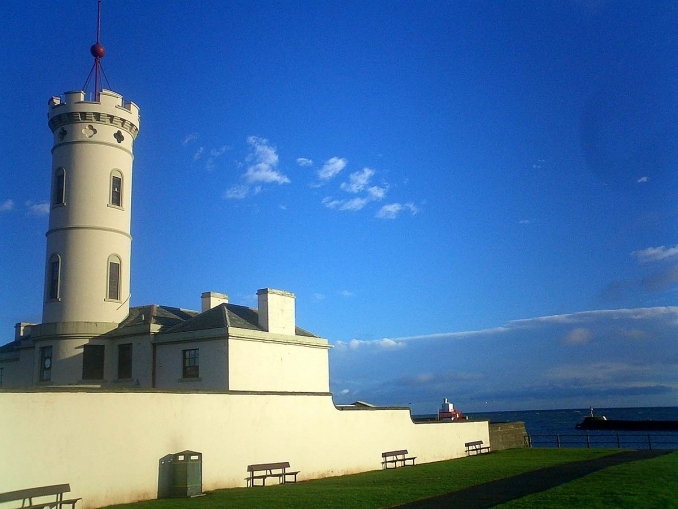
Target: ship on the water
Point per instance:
(600, 422)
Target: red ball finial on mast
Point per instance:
(97, 50)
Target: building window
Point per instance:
(113, 291)
(191, 364)
(125, 361)
(45, 363)
(93, 362)
(116, 189)
(54, 277)
(59, 187)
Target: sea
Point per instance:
(557, 428)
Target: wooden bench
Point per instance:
(267, 470)
(26, 496)
(476, 447)
(396, 458)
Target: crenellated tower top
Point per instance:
(110, 109)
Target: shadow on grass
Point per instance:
(497, 492)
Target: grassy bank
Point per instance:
(651, 483)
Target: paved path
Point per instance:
(493, 493)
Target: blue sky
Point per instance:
(470, 199)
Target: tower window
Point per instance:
(45, 363)
(191, 367)
(59, 187)
(125, 361)
(54, 277)
(113, 278)
(116, 189)
(93, 362)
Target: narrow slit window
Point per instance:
(46, 364)
(114, 278)
(116, 190)
(54, 277)
(59, 189)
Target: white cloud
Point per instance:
(357, 180)
(354, 204)
(669, 313)
(578, 336)
(318, 296)
(331, 168)
(264, 173)
(236, 193)
(38, 209)
(392, 210)
(655, 254)
(381, 344)
(214, 154)
(642, 180)
(330, 203)
(601, 371)
(389, 211)
(607, 314)
(346, 293)
(198, 153)
(6, 205)
(264, 161)
(189, 139)
(573, 361)
(302, 161)
(376, 193)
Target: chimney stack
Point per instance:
(211, 300)
(276, 311)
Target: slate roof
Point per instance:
(11, 346)
(222, 316)
(164, 316)
(174, 320)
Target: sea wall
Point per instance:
(108, 446)
(507, 435)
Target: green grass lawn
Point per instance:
(652, 483)
(641, 484)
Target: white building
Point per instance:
(90, 336)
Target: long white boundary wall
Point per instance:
(108, 445)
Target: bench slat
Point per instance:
(394, 453)
(41, 491)
(267, 466)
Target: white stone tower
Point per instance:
(87, 276)
(87, 269)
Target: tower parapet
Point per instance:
(111, 110)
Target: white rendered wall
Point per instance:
(108, 445)
(270, 366)
(213, 355)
